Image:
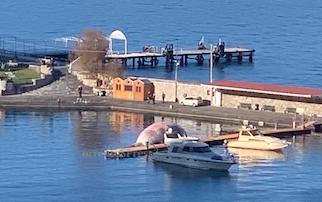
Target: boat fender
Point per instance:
(225, 142)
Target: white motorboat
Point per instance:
(176, 134)
(194, 154)
(252, 138)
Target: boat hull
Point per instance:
(258, 146)
(192, 162)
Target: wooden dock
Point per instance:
(135, 151)
(171, 56)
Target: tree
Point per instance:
(91, 50)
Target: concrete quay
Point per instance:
(96, 103)
(62, 95)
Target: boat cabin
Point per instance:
(176, 134)
(247, 133)
(190, 146)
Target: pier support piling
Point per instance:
(229, 58)
(240, 57)
(250, 59)
(217, 57)
(200, 59)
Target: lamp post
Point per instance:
(176, 80)
(211, 62)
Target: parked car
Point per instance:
(191, 101)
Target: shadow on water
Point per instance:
(176, 171)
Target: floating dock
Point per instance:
(136, 151)
(171, 56)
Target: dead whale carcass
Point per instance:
(153, 134)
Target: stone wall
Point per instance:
(233, 101)
(43, 81)
(10, 88)
(183, 89)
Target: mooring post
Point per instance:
(133, 62)
(186, 60)
(147, 148)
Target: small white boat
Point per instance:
(252, 138)
(194, 154)
(173, 135)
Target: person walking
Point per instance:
(149, 96)
(153, 98)
(163, 97)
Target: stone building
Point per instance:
(245, 95)
(259, 96)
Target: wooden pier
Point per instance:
(136, 151)
(172, 56)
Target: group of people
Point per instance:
(151, 96)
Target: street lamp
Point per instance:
(176, 80)
(211, 62)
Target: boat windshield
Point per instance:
(172, 135)
(256, 132)
(197, 149)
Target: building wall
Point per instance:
(138, 95)
(233, 101)
(183, 88)
(127, 94)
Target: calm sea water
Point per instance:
(46, 156)
(285, 34)
(56, 156)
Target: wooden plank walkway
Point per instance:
(135, 151)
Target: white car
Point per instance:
(191, 101)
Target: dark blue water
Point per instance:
(48, 156)
(285, 34)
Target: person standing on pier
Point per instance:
(80, 91)
(163, 97)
